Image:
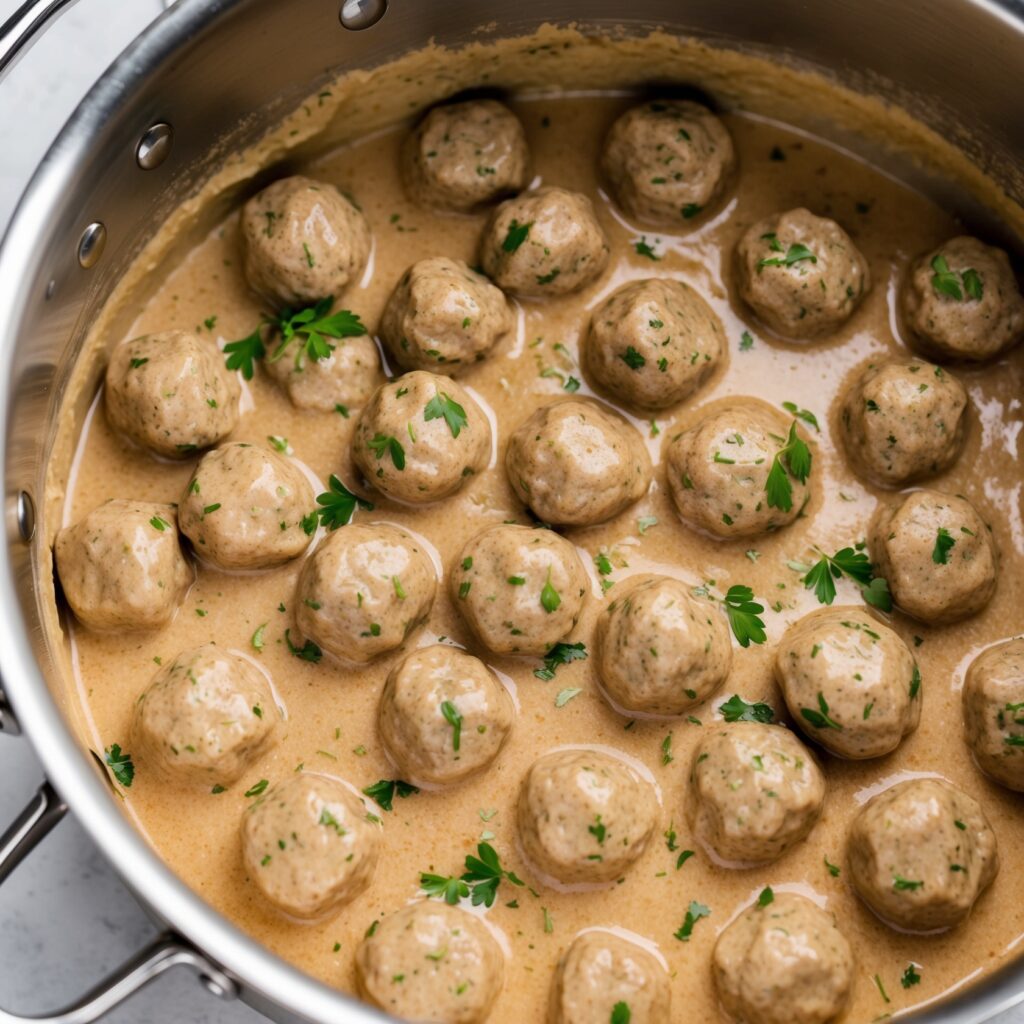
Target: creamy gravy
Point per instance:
(332, 711)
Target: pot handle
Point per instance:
(24, 27)
(44, 811)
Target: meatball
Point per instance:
(783, 962)
(431, 962)
(920, 854)
(993, 699)
(652, 343)
(521, 590)
(577, 463)
(719, 471)
(755, 791)
(544, 242)
(309, 845)
(584, 815)
(303, 241)
(171, 392)
(850, 683)
(206, 718)
(121, 566)
(962, 301)
(444, 314)
(903, 421)
(364, 591)
(247, 507)
(801, 274)
(420, 438)
(340, 382)
(937, 554)
(465, 154)
(659, 650)
(667, 161)
(443, 715)
(601, 970)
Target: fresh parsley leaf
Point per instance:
(746, 341)
(766, 897)
(944, 541)
(443, 406)
(258, 788)
(517, 234)
(484, 873)
(792, 459)
(633, 359)
(643, 249)
(381, 444)
(796, 253)
(159, 524)
(944, 280)
(242, 354)
(856, 566)
(820, 719)
(566, 695)
(621, 1013)
(833, 869)
(257, 639)
(736, 709)
(802, 414)
(120, 765)
(312, 326)
(338, 505)
(561, 654)
(453, 717)
(693, 914)
(911, 976)
(972, 284)
(307, 652)
(385, 790)
(451, 889)
(901, 884)
(744, 616)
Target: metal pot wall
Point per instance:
(142, 140)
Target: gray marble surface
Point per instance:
(65, 919)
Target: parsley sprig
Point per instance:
(387, 444)
(561, 654)
(479, 881)
(736, 709)
(820, 719)
(337, 507)
(385, 790)
(947, 283)
(443, 406)
(744, 615)
(120, 765)
(693, 914)
(793, 459)
(796, 253)
(855, 565)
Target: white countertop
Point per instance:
(65, 919)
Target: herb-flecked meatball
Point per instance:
(962, 301)
(755, 791)
(584, 815)
(339, 382)
(937, 554)
(739, 471)
(464, 154)
(205, 719)
(920, 854)
(247, 507)
(801, 274)
(544, 242)
(171, 392)
(442, 314)
(602, 970)
(364, 591)
(993, 702)
(431, 962)
(309, 845)
(303, 241)
(577, 463)
(903, 421)
(420, 438)
(652, 343)
(121, 566)
(783, 962)
(660, 650)
(443, 715)
(668, 161)
(850, 683)
(520, 590)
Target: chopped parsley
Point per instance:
(120, 765)
(561, 654)
(736, 709)
(384, 791)
(766, 897)
(453, 717)
(820, 719)
(566, 695)
(802, 414)
(796, 253)
(307, 652)
(337, 506)
(517, 234)
(911, 976)
(643, 249)
(620, 1013)
(944, 542)
(381, 444)
(901, 884)
(693, 914)
(443, 406)
(947, 283)
(257, 788)
(633, 359)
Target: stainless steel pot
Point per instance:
(211, 74)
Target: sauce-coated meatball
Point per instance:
(660, 650)
(420, 437)
(576, 463)
(431, 962)
(962, 301)
(668, 161)
(309, 845)
(465, 154)
(171, 392)
(584, 815)
(601, 970)
(903, 421)
(937, 554)
(993, 700)
(443, 715)
(755, 791)
(303, 241)
(364, 591)
(205, 719)
(521, 590)
(443, 314)
(341, 382)
(784, 962)
(920, 854)
(652, 343)
(850, 683)
(718, 471)
(544, 242)
(121, 566)
(801, 274)
(244, 508)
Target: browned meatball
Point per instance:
(993, 702)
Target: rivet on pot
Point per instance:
(25, 516)
(359, 14)
(155, 146)
(90, 245)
